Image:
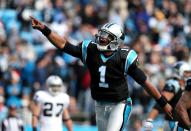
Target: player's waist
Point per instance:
(110, 96)
(127, 101)
(51, 122)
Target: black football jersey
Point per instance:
(108, 74)
(172, 85)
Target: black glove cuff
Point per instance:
(161, 101)
(46, 31)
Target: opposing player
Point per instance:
(108, 66)
(172, 91)
(50, 107)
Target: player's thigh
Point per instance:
(101, 116)
(119, 116)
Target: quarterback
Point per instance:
(108, 65)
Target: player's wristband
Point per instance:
(161, 101)
(46, 31)
(34, 129)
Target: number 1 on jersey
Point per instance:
(102, 71)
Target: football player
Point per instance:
(183, 108)
(108, 65)
(50, 107)
(172, 92)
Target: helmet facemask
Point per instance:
(55, 85)
(55, 89)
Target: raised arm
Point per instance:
(56, 40)
(139, 76)
(53, 37)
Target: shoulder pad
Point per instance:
(38, 95)
(131, 57)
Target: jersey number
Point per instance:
(48, 109)
(102, 71)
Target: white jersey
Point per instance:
(52, 108)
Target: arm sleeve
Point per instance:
(137, 74)
(36, 98)
(74, 50)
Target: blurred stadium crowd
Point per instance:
(159, 30)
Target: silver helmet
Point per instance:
(182, 67)
(109, 37)
(55, 85)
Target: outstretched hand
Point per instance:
(36, 24)
(148, 125)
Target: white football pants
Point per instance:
(112, 116)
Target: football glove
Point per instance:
(148, 125)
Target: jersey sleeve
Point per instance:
(36, 97)
(84, 50)
(74, 50)
(79, 51)
(172, 86)
(130, 59)
(137, 74)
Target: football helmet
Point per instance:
(109, 37)
(55, 85)
(182, 68)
